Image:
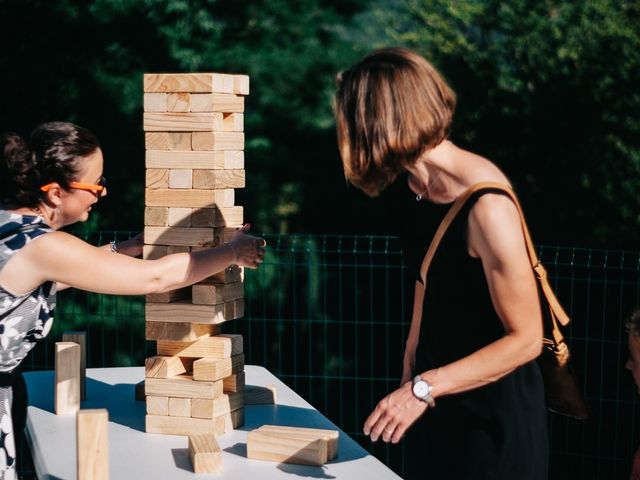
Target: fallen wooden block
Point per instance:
(181, 332)
(259, 395)
(213, 369)
(205, 160)
(276, 447)
(331, 436)
(182, 386)
(166, 366)
(211, 408)
(218, 346)
(205, 454)
(210, 293)
(184, 426)
(81, 339)
(189, 82)
(67, 378)
(92, 430)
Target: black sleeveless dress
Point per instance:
(498, 431)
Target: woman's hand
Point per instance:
(131, 247)
(394, 414)
(248, 250)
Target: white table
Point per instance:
(134, 454)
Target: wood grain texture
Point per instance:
(184, 426)
(166, 366)
(181, 332)
(217, 141)
(167, 140)
(215, 102)
(189, 122)
(180, 407)
(211, 408)
(219, 346)
(213, 369)
(182, 386)
(331, 436)
(188, 82)
(210, 293)
(180, 236)
(157, 405)
(156, 178)
(81, 339)
(92, 452)
(205, 454)
(187, 159)
(274, 447)
(184, 310)
(217, 179)
(67, 378)
(233, 383)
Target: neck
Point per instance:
(432, 168)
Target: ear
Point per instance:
(54, 194)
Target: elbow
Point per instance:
(531, 348)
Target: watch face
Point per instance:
(421, 388)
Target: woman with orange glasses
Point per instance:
(47, 182)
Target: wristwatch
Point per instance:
(422, 390)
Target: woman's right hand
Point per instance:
(249, 250)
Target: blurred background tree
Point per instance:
(547, 89)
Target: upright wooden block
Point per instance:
(205, 454)
(233, 383)
(189, 82)
(213, 102)
(81, 339)
(155, 102)
(92, 432)
(178, 102)
(331, 436)
(180, 178)
(189, 122)
(217, 141)
(220, 346)
(156, 178)
(241, 84)
(184, 426)
(67, 378)
(167, 140)
(180, 407)
(157, 405)
(209, 293)
(259, 395)
(216, 179)
(231, 122)
(271, 446)
(166, 367)
(211, 408)
(213, 369)
(184, 332)
(182, 386)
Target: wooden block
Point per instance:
(274, 447)
(231, 122)
(206, 160)
(184, 426)
(237, 419)
(179, 178)
(233, 383)
(219, 346)
(222, 234)
(234, 309)
(184, 310)
(204, 217)
(209, 293)
(211, 408)
(178, 102)
(206, 179)
(157, 405)
(156, 178)
(189, 122)
(180, 407)
(215, 102)
(67, 378)
(166, 367)
(179, 236)
(181, 332)
(331, 436)
(155, 102)
(205, 454)
(258, 395)
(229, 217)
(156, 216)
(138, 391)
(81, 339)
(92, 451)
(182, 386)
(217, 141)
(213, 369)
(231, 274)
(241, 84)
(189, 198)
(167, 140)
(171, 249)
(179, 217)
(170, 296)
(153, 252)
(189, 82)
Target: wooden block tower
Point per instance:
(194, 140)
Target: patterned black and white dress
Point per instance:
(24, 320)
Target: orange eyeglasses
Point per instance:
(97, 188)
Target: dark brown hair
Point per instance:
(390, 107)
(51, 154)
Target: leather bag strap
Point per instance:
(558, 313)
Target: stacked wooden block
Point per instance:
(194, 162)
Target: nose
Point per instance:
(102, 193)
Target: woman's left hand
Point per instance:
(394, 414)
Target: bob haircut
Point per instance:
(390, 107)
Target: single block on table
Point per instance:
(205, 454)
(92, 433)
(81, 339)
(67, 378)
(276, 447)
(332, 436)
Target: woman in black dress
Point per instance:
(470, 389)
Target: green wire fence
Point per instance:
(329, 315)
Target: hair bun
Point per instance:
(15, 152)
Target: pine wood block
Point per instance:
(171, 249)
(189, 82)
(237, 419)
(181, 332)
(217, 141)
(155, 102)
(331, 436)
(206, 160)
(219, 346)
(259, 395)
(156, 216)
(209, 293)
(182, 386)
(274, 447)
(231, 274)
(153, 252)
(231, 122)
(180, 407)
(204, 217)
(229, 217)
(138, 391)
(67, 378)
(205, 179)
(179, 217)
(213, 369)
(225, 197)
(184, 310)
(233, 383)
(180, 236)
(92, 451)
(81, 339)
(205, 454)
(170, 296)
(216, 102)
(180, 178)
(234, 309)
(156, 178)
(241, 84)
(225, 404)
(188, 122)
(166, 367)
(184, 426)
(178, 102)
(167, 140)
(157, 405)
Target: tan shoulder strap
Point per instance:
(541, 273)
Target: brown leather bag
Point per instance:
(561, 387)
